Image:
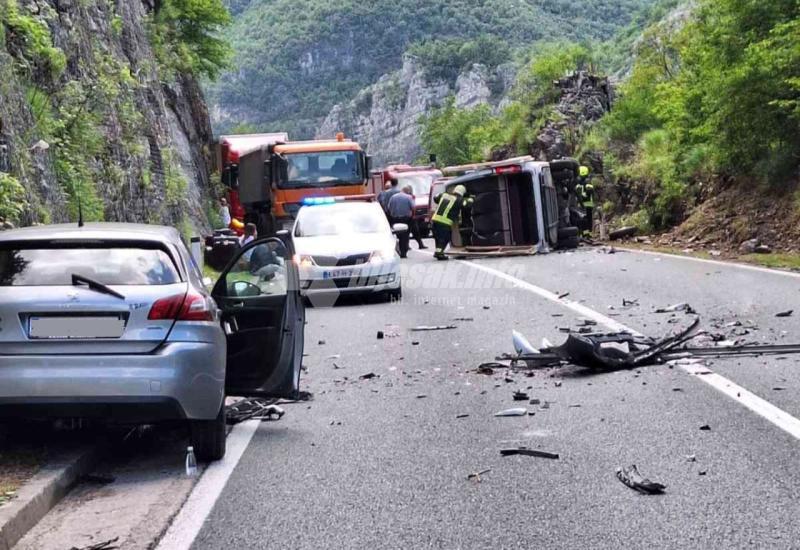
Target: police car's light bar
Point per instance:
(317, 201)
(312, 201)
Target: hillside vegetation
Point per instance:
(99, 109)
(296, 59)
(712, 102)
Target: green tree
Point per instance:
(460, 136)
(187, 36)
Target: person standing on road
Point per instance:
(385, 196)
(224, 213)
(448, 212)
(400, 209)
(585, 192)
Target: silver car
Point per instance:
(114, 320)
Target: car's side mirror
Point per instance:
(208, 282)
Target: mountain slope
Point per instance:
(296, 59)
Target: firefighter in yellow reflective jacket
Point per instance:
(585, 192)
(448, 212)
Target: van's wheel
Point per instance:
(568, 237)
(208, 437)
(565, 233)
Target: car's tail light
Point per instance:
(196, 308)
(166, 308)
(192, 306)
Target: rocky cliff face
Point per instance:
(384, 118)
(584, 99)
(87, 116)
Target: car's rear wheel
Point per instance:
(208, 437)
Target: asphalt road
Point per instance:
(383, 462)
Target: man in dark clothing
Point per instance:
(400, 209)
(385, 196)
(448, 212)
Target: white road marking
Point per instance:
(744, 397)
(198, 506)
(720, 263)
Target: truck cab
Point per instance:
(420, 178)
(269, 176)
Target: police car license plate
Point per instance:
(337, 274)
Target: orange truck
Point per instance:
(420, 178)
(269, 178)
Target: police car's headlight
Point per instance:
(303, 260)
(381, 256)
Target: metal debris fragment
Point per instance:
(425, 328)
(253, 409)
(476, 476)
(106, 545)
(785, 313)
(631, 477)
(520, 396)
(529, 452)
(512, 412)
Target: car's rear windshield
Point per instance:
(54, 265)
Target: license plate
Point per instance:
(338, 274)
(64, 328)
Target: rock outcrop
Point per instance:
(584, 99)
(384, 118)
(87, 115)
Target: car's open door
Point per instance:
(263, 317)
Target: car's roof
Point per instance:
(93, 231)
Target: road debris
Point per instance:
(380, 335)
(421, 396)
(321, 343)
(705, 428)
(476, 476)
(253, 409)
(512, 412)
(623, 232)
(785, 313)
(459, 416)
(425, 328)
(683, 306)
(464, 319)
(368, 376)
(563, 295)
(520, 396)
(630, 303)
(106, 545)
(521, 344)
(691, 458)
(529, 452)
(631, 477)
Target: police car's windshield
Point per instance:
(340, 219)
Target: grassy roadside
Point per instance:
(776, 260)
(16, 467)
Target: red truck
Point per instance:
(420, 178)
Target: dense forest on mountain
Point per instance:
(296, 59)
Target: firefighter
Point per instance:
(585, 192)
(448, 211)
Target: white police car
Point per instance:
(345, 247)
